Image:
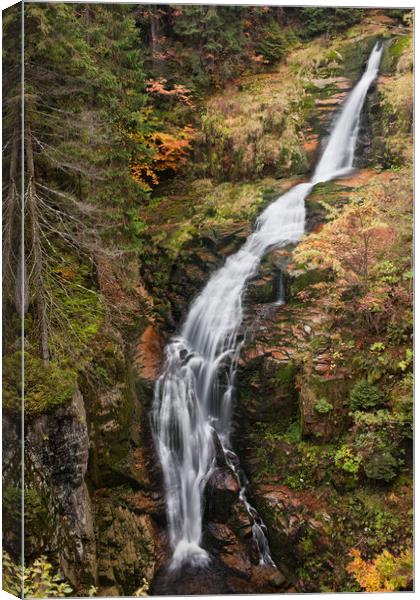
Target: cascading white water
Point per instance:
(193, 396)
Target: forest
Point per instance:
(155, 138)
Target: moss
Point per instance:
(354, 56)
(126, 548)
(261, 292)
(78, 313)
(178, 239)
(47, 385)
(306, 279)
(285, 375)
(393, 51)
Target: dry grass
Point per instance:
(256, 130)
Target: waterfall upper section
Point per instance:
(191, 416)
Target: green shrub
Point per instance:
(364, 396)
(402, 403)
(381, 465)
(347, 460)
(323, 407)
(39, 580)
(378, 443)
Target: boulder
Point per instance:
(221, 493)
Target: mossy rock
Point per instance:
(381, 466)
(267, 393)
(393, 50)
(125, 545)
(303, 280)
(47, 385)
(355, 55)
(261, 291)
(118, 428)
(323, 406)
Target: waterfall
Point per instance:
(281, 292)
(193, 396)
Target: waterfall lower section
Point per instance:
(191, 416)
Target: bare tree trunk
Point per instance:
(10, 217)
(36, 251)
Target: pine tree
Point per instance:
(83, 98)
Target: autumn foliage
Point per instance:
(363, 247)
(159, 88)
(168, 152)
(385, 573)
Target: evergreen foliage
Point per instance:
(85, 98)
(316, 20)
(364, 396)
(273, 43)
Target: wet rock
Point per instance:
(224, 238)
(220, 533)
(192, 580)
(221, 493)
(267, 387)
(118, 430)
(268, 578)
(261, 291)
(219, 452)
(236, 558)
(277, 579)
(322, 386)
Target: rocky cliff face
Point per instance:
(56, 459)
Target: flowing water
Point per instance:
(192, 407)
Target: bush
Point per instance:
(39, 581)
(381, 465)
(346, 460)
(385, 573)
(377, 441)
(323, 407)
(364, 396)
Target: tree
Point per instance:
(84, 94)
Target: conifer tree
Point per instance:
(83, 97)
